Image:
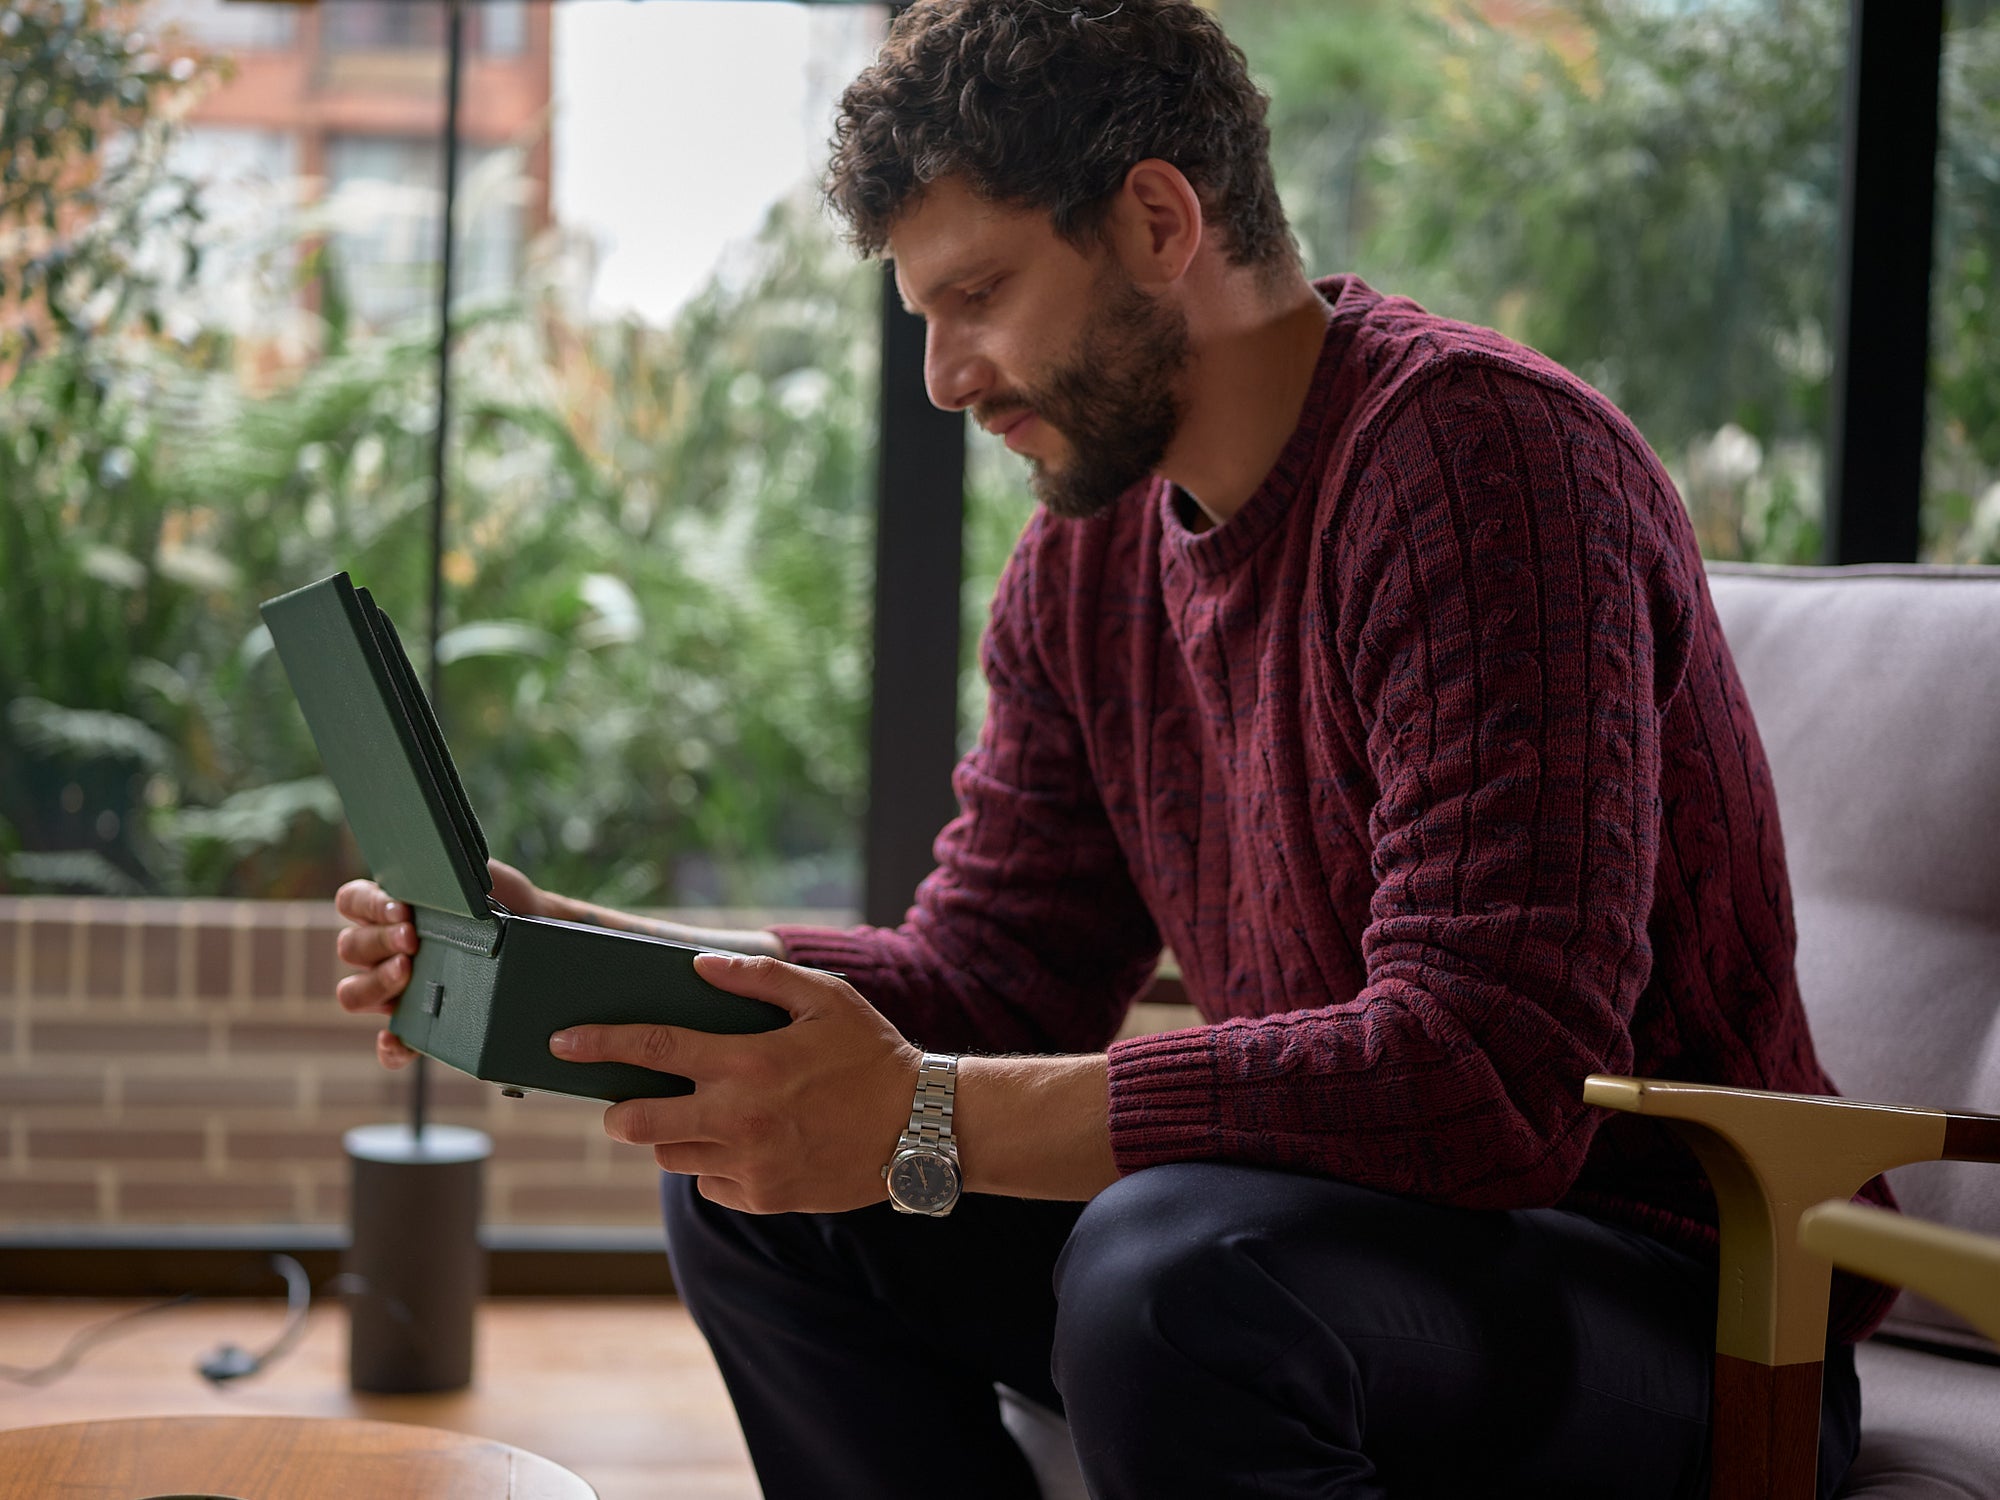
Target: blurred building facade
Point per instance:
(341, 103)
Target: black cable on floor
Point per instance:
(226, 1363)
(84, 1340)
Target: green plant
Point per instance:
(91, 224)
(1962, 462)
(90, 220)
(1649, 194)
(653, 670)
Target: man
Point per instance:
(1367, 660)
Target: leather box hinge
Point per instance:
(481, 938)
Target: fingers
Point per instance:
(798, 990)
(726, 1193)
(665, 1049)
(687, 1160)
(391, 1052)
(365, 946)
(685, 1120)
(375, 989)
(365, 901)
(379, 944)
(515, 891)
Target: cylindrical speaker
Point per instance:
(414, 1269)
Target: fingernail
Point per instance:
(396, 911)
(563, 1041)
(716, 960)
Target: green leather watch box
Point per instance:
(488, 987)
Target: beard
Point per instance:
(1116, 401)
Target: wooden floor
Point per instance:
(622, 1392)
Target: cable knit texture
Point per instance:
(1431, 767)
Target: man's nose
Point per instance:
(954, 373)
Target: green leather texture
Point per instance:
(381, 746)
(491, 1014)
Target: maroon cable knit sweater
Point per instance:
(1431, 767)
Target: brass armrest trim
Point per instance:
(1953, 1266)
(1770, 1157)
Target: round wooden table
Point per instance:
(271, 1458)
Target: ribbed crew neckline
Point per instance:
(1220, 548)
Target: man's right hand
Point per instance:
(381, 940)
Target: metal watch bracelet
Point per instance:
(930, 1113)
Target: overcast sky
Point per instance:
(678, 122)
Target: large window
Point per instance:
(656, 569)
(658, 666)
(226, 25)
(494, 27)
(1647, 192)
(382, 205)
(1962, 458)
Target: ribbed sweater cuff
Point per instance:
(1164, 1098)
(837, 948)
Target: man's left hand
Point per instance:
(799, 1119)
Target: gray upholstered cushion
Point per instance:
(1877, 694)
(1930, 1428)
(1044, 1439)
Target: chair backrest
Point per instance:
(1877, 695)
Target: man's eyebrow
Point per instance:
(970, 270)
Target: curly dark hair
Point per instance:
(1048, 104)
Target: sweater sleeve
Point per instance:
(1499, 603)
(1030, 935)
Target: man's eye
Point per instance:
(983, 293)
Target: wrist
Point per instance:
(1036, 1127)
(922, 1175)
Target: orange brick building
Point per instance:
(350, 94)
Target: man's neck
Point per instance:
(1255, 353)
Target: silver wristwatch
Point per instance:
(923, 1174)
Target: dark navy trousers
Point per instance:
(1214, 1331)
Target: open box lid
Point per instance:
(382, 747)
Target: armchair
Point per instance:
(1959, 1269)
(1871, 690)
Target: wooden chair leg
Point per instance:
(1765, 1430)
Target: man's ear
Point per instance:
(1155, 224)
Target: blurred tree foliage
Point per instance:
(653, 669)
(661, 683)
(75, 221)
(1962, 463)
(655, 660)
(89, 224)
(1649, 194)
(654, 663)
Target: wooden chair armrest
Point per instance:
(1953, 1266)
(1770, 1157)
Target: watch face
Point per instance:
(924, 1182)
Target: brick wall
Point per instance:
(170, 1062)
